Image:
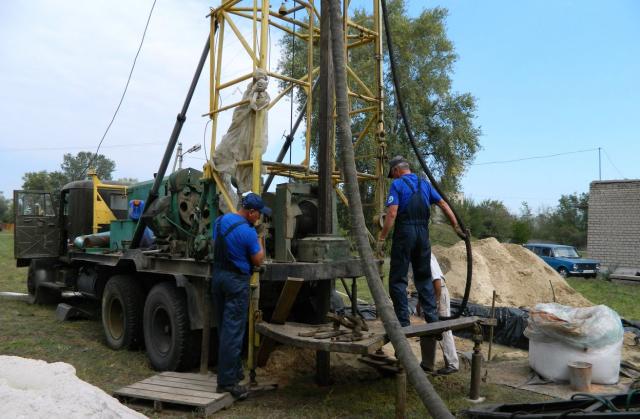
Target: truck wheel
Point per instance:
(166, 328)
(41, 272)
(122, 304)
(563, 272)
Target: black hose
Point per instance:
(423, 164)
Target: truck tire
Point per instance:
(167, 335)
(41, 272)
(122, 305)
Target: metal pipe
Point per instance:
(476, 364)
(173, 139)
(288, 140)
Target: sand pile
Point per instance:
(31, 389)
(519, 277)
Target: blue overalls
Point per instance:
(411, 245)
(230, 292)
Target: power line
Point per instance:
(546, 156)
(9, 150)
(126, 86)
(614, 166)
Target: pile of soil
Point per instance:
(519, 277)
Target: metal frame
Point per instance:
(364, 99)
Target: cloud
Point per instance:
(64, 65)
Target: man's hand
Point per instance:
(260, 229)
(460, 232)
(380, 248)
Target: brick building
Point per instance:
(614, 223)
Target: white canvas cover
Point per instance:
(237, 144)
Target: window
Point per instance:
(545, 251)
(33, 204)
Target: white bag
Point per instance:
(551, 360)
(559, 335)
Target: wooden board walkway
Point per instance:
(195, 391)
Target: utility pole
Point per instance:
(599, 164)
(178, 157)
(325, 162)
(325, 124)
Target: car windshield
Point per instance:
(565, 252)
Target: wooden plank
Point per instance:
(211, 378)
(286, 299)
(427, 329)
(176, 384)
(192, 390)
(288, 334)
(163, 397)
(280, 313)
(204, 395)
(178, 388)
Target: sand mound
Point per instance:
(519, 277)
(32, 388)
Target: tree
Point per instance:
(566, 223)
(76, 167)
(43, 181)
(443, 120)
(522, 227)
(425, 390)
(5, 209)
(127, 180)
(73, 168)
(489, 218)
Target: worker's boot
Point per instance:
(428, 352)
(238, 391)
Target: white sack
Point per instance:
(551, 360)
(237, 144)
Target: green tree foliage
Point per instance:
(127, 180)
(443, 120)
(522, 226)
(72, 168)
(489, 218)
(43, 181)
(5, 209)
(566, 223)
(75, 167)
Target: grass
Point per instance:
(623, 298)
(33, 332)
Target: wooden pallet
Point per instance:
(194, 391)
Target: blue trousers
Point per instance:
(230, 292)
(411, 245)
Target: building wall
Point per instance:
(614, 223)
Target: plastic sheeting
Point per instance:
(583, 328)
(511, 323)
(237, 144)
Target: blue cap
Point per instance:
(254, 202)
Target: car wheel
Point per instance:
(41, 272)
(166, 328)
(122, 304)
(563, 271)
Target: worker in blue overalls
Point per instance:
(236, 250)
(408, 208)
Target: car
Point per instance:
(565, 259)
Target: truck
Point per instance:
(85, 240)
(78, 241)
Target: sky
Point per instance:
(550, 78)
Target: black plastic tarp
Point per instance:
(509, 330)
